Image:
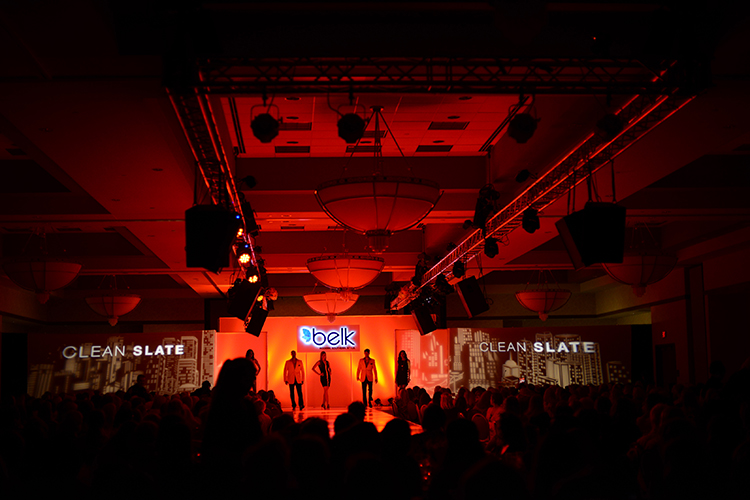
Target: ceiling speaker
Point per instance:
(594, 235)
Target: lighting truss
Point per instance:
(641, 114)
(508, 75)
(194, 112)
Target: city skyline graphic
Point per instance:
(50, 370)
(428, 357)
(474, 364)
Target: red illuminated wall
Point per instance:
(279, 338)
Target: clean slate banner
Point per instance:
(331, 338)
(171, 362)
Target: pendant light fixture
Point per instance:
(378, 205)
(543, 299)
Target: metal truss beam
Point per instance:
(640, 115)
(199, 126)
(431, 75)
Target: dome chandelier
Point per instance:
(39, 272)
(643, 264)
(113, 303)
(543, 299)
(378, 205)
(331, 304)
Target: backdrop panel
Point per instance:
(560, 356)
(172, 362)
(428, 356)
(377, 333)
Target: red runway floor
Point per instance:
(377, 417)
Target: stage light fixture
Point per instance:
(351, 128)
(253, 278)
(524, 175)
(485, 206)
(459, 269)
(530, 221)
(490, 248)
(240, 232)
(265, 127)
(522, 127)
(442, 285)
(243, 253)
(249, 181)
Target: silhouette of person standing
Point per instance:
(367, 373)
(294, 376)
(250, 355)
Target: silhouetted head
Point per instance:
(402, 355)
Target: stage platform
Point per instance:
(374, 415)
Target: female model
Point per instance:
(251, 356)
(403, 371)
(323, 369)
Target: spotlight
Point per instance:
(244, 254)
(485, 205)
(490, 248)
(351, 128)
(611, 125)
(250, 222)
(459, 269)
(524, 175)
(249, 181)
(265, 127)
(522, 127)
(240, 232)
(530, 221)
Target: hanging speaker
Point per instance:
(423, 318)
(242, 298)
(209, 233)
(255, 324)
(472, 297)
(594, 235)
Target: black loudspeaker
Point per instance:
(242, 298)
(472, 297)
(255, 325)
(594, 235)
(423, 318)
(209, 233)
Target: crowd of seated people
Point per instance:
(610, 441)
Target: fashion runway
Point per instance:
(377, 417)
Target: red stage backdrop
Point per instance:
(172, 362)
(281, 335)
(561, 356)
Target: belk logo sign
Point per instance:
(343, 338)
